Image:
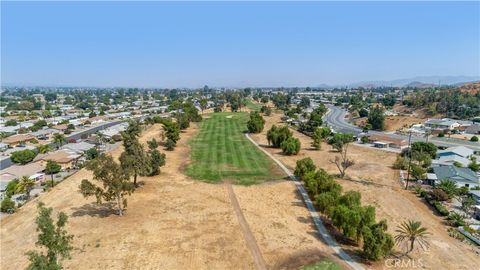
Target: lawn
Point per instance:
(222, 152)
(254, 106)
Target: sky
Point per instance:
(235, 44)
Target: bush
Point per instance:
(364, 139)
(439, 195)
(23, 157)
(277, 135)
(474, 139)
(400, 163)
(170, 145)
(7, 205)
(442, 210)
(303, 167)
(117, 137)
(256, 123)
(456, 219)
(441, 135)
(291, 146)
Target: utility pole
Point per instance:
(409, 158)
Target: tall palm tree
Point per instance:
(44, 148)
(412, 232)
(25, 186)
(59, 139)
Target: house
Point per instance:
(44, 134)
(462, 176)
(451, 160)
(461, 151)
(64, 157)
(473, 129)
(475, 195)
(61, 127)
(32, 170)
(78, 148)
(114, 130)
(383, 141)
(444, 124)
(15, 140)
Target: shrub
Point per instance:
(400, 163)
(456, 219)
(7, 205)
(117, 137)
(169, 145)
(277, 135)
(474, 139)
(303, 167)
(256, 123)
(441, 135)
(364, 139)
(442, 210)
(291, 146)
(23, 157)
(327, 201)
(439, 195)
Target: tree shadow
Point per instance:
(95, 210)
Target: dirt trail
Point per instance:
(247, 233)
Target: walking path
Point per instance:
(247, 233)
(322, 231)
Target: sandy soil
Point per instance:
(378, 183)
(173, 222)
(393, 123)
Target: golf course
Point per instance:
(222, 152)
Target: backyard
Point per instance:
(220, 151)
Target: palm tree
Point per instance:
(25, 186)
(44, 148)
(59, 139)
(412, 232)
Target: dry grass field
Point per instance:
(379, 185)
(173, 222)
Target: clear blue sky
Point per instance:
(185, 44)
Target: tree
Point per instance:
(377, 243)
(25, 185)
(52, 237)
(342, 162)
(115, 182)
(256, 122)
(304, 102)
(363, 112)
(134, 160)
(7, 205)
(320, 135)
(59, 139)
(291, 146)
(303, 167)
(340, 139)
(203, 104)
(172, 131)
(315, 119)
(425, 148)
(52, 168)
(44, 148)
(376, 118)
(449, 186)
(169, 145)
(183, 121)
(411, 232)
(156, 159)
(23, 157)
(92, 153)
(276, 135)
(11, 188)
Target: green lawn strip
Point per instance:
(322, 265)
(253, 105)
(220, 151)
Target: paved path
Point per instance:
(322, 231)
(247, 233)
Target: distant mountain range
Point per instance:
(422, 82)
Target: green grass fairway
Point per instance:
(254, 106)
(322, 265)
(222, 152)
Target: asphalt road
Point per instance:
(335, 119)
(7, 162)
